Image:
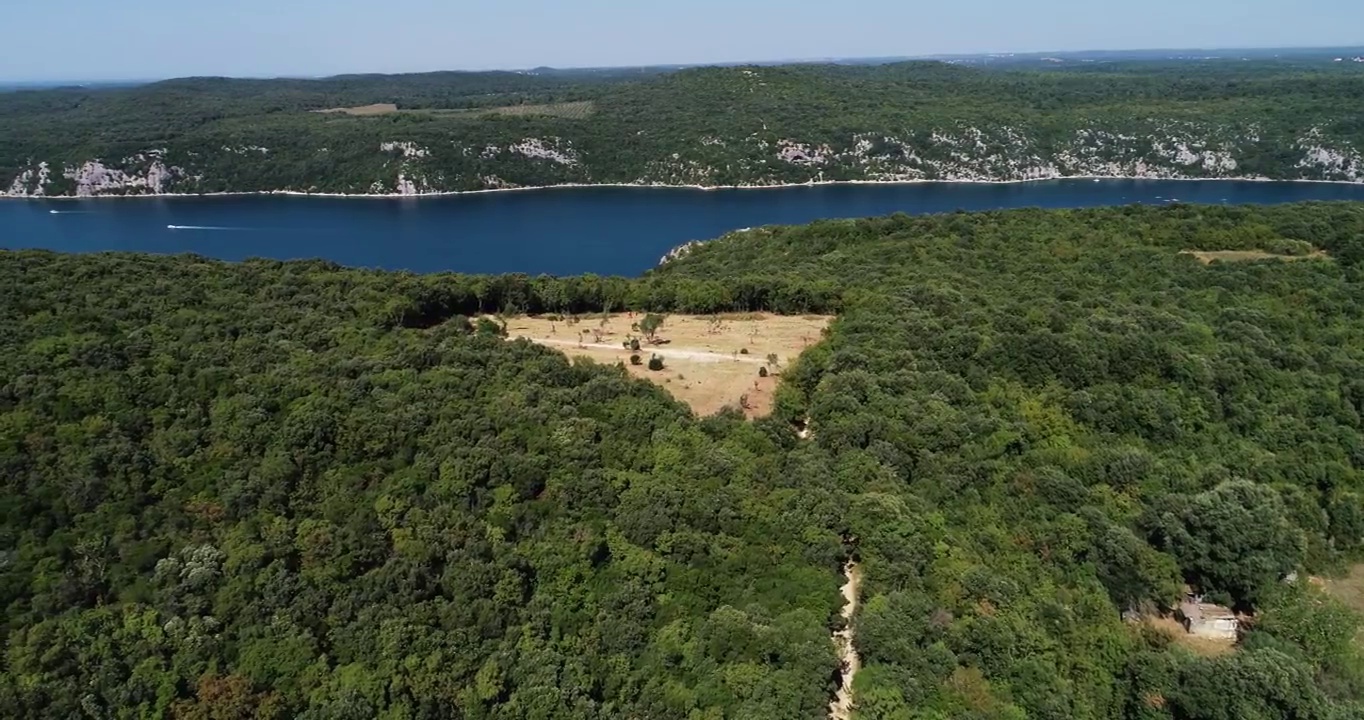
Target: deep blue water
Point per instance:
(601, 230)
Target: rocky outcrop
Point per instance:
(95, 178)
(410, 151)
(1142, 148)
(1334, 162)
(143, 174)
(680, 251)
(555, 150)
(31, 182)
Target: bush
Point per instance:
(635, 360)
(743, 351)
(655, 363)
(762, 372)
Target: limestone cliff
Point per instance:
(1156, 149)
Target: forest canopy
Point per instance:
(296, 490)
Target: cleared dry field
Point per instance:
(569, 110)
(704, 362)
(363, 110)
(1349, 590)
(1208, 256)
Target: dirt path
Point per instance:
(664, 352)
(842, 706)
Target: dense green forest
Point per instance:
(702, 126)
(295, 490)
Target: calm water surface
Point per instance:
(602, 230)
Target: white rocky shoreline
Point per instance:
(665, 186)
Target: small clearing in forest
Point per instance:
(705, 365)
(1349, 589)
(570, 110)
(1208, 256)
(1201, 646)
(363, 110)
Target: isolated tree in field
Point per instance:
(655, 363)
(635, 360)
(650, 325)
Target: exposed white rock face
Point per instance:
(802, 154)
(680, 251)
(493, 182)
(95, 178)
(1213, 161)
(1332, 162)
(247, 150)
(555, 150)
(407, 186)
(410, 151)
(31, 183)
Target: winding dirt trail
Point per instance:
(842, 705)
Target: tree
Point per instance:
(1249, 685)
(1235, 539)
(650, 325)
(656, 363)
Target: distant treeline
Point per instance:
(434, 299)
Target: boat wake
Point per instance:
(69, 212)
(203, 227)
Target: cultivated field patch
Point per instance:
(709, 361)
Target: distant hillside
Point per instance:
(439, 132)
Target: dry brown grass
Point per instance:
(1350, 591)
(1208, 256)
(1201, 646)
(363, 110)
(703, 364)
(569, 110)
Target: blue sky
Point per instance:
(144, 39)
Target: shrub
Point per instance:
(655, 363)
(635, 360)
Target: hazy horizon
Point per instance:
(13, 82)
(312, 38)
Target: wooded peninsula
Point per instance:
(296, 490)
